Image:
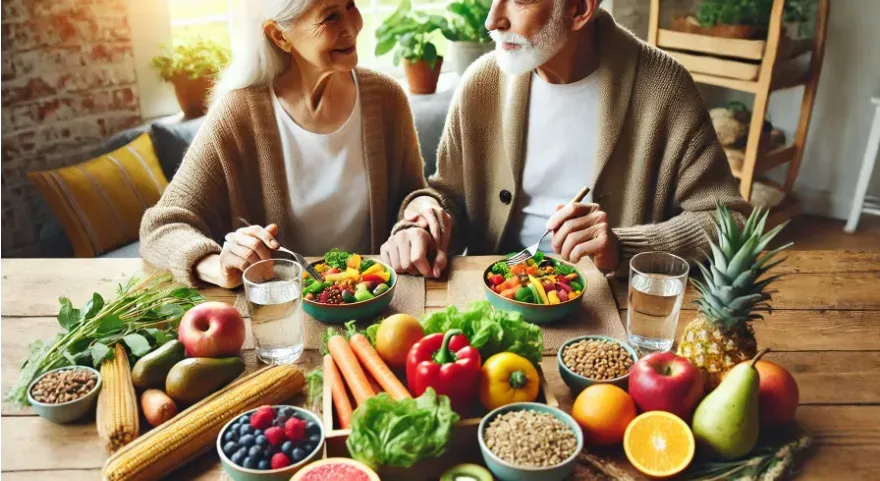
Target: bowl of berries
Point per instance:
(270, 443)
(353, 288)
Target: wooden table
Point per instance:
(825, 329)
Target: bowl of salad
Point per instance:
(542, 289)
(354, 288)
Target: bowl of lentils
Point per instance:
(530, 442)
(65, 394)
(587, 360)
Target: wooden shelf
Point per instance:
(719, 67)
(729, 83)
(769, 160)
(726, 47)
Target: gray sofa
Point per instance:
(172, 137)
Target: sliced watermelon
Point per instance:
(336, 469)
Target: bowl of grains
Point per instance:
(587, 360)
(65, 394)
(530, 442)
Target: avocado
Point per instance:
(193, 379)
(151, 370)
(466, 472)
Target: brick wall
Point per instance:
(68, 82)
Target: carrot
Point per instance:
(510, 293)
(337, 389)
(377, 367)
(350, 368)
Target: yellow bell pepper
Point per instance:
(508, 378)
(373, 269)
(353, 262)
(341, 276)
(385, 275)
(553, 298)
(541, 292)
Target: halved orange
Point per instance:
(659, 444)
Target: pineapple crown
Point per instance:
(730, 293)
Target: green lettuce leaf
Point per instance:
(490, 330)
(336, 258)
(385, 432)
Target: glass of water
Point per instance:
(656, 288)
(273, 290)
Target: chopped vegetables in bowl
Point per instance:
(348, 279)
(539, 280)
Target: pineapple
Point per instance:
(730, 296)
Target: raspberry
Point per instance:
(280, 460)
(275, 435)
(262, 417)
(295, 429)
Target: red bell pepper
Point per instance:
(374, 278)
(449, 364)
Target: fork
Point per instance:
(300, 259)
(531, 250)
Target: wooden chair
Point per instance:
(732, 63)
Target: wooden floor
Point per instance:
(820, 233)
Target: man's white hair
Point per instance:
(256, 60)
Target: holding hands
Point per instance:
(582, 230)
(408, 250)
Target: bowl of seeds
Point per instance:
(587, 360)
(65, 394)
(530, 442)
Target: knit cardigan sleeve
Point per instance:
(180, 230)
(702, 179)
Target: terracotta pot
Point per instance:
(192, 94)
(737, 31)
(420, 77)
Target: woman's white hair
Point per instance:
(256, 60)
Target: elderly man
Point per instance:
(571, 99)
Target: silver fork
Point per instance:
(300, 259)
(531, 250)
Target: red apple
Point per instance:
(662, 381)
(212, 329)
(777, 394)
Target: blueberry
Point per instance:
(286, 411)
(264, 465)
(308, 447)
(230, 448)
(281, 418)
(312, 428)
(247, 440)
(245, 419)
(238, 458)
(246, 429)
(261, 440)
(298, 455)
(230, 435)
(250, 462)
(287, 447)
(315, 439)
(255, 452)
(258, 432)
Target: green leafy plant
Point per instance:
(749, 12)
(409, 31)
(467, 21)
(192, 56)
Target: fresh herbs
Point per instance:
(750, 12)
(490, 330)
(366, 264)
(501, 268)
(143, 316)
(385, 432)
(337, 258)
(563, 269)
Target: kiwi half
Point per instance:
(466, 472)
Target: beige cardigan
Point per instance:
(235, 168)
(660, 166)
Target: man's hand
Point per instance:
(407, 252)
(582, 230)
(426, 212)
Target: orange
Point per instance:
(395, 336)
(603, 412)
(659, 444)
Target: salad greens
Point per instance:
(143, 316)
(385, 432)
(490, 330)
(315, 388)
(336, 258)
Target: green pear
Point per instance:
(726, 422)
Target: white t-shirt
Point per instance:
(327, 183)
(560, 153)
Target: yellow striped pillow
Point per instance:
(100, 202)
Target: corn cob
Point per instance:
(117, 415)
(194, 431)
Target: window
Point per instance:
(213, 19)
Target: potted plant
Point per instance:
(409, 31)
(191, 65)
(739, 18)
(467, 32)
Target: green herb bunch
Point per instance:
(143, 316)
(192, 56)
(409, 31)
(750, 12)
(467, 21)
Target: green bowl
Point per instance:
(536, 313)
(342, 313)
(238, 473)
(578, 383)
(63, 413)
(505, 471)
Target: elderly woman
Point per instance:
(313, 151)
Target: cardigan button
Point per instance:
(505, 196)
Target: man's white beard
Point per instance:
(531, 54)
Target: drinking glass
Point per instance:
(656, 288)
(273, 290)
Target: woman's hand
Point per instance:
(407, 252)
(582, 230)
(241, 248)
(426, 212)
